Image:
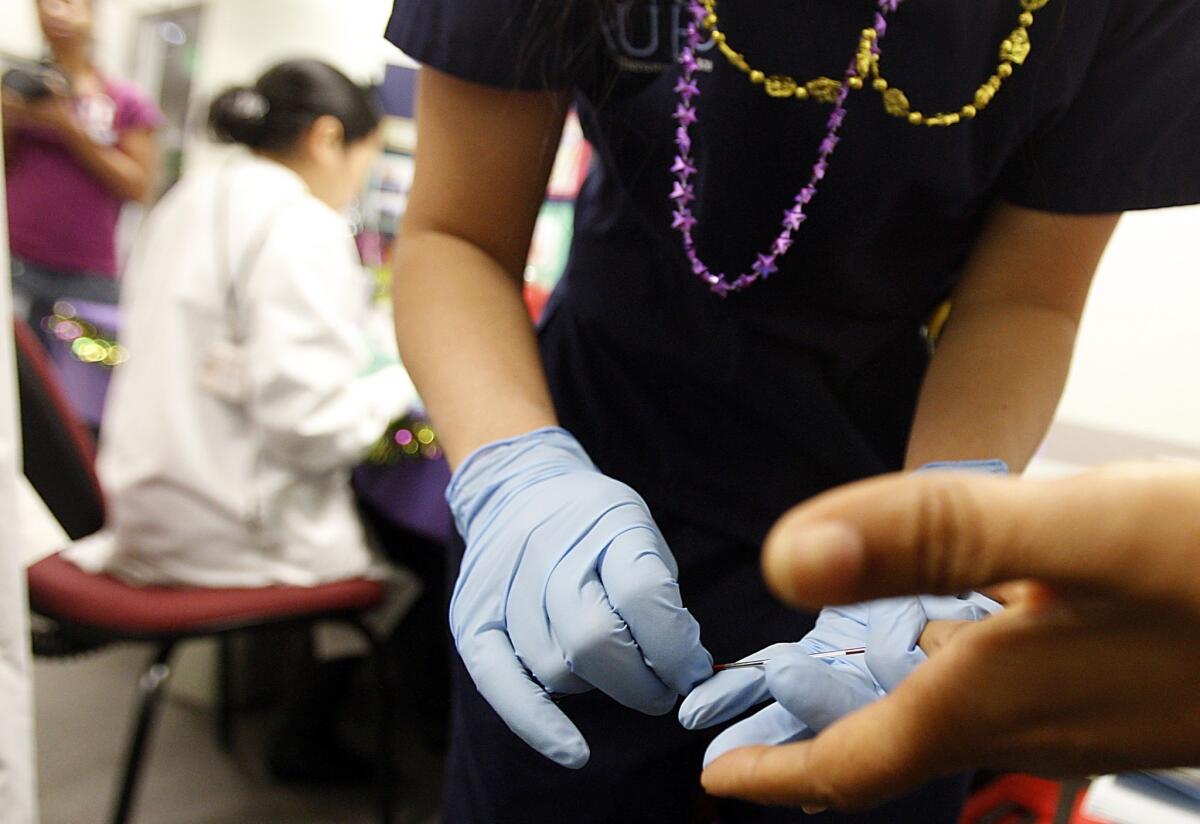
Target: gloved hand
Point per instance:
(812, 693)
(566, 585)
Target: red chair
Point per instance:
(87, 610)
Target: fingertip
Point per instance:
(574, 756)
(688, 713)
(697, 714)
(719, 774)
(721, 697)
(711, 757)
(813, 563)
(697, 710)
(726, 742)
(557, 738)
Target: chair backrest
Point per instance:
(59, 451)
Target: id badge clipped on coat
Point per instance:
(223, 372)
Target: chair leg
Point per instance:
(385, 779)
(150, 690)
(387, 730)
(225, 692)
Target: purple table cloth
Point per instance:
(86, 384)
(409, 494)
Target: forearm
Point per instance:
(1000, 366)
(467, 342)
(993, 385)
(121, 174)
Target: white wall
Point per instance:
(241, 38)
(246, 35)
(115, 21)
(19, 33)
(1135, 369)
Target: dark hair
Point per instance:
(276, 111)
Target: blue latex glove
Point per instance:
(566, 585)
(811, 694)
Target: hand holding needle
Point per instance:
(833, 653)
(761, 662)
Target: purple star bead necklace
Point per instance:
(683, 191)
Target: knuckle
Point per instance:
(547, 666)
(585, 637)
(630, 587)
(946, 534)
(637, 590)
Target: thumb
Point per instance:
(945, 533)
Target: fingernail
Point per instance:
(813, 809)
(818, 556)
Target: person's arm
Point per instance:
(1001, 363)
(16, 117)
(562, 563)
(126, 169)
(1092, 668)
(485, 158)
(11, 109)
(315, 405)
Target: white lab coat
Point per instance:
(209, 492)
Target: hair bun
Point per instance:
(281, 106)
(237, 115)
(249, 105)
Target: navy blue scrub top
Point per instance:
(728, 411)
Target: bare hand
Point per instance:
(52, 112)
(1094, 666)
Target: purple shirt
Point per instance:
(59, 215)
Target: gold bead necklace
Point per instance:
(1014, 50)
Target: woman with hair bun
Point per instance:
(248, 395)
(250, 390)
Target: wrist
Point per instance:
(544, 452)
(989, 466)
(463, 430)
